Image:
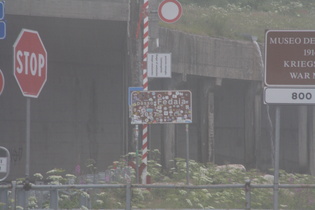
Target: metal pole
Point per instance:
(276, 169)
(128, 196)
(187, 154)
(137, 153)
(247, 195)
(4, 198)
(145, 83)
(53, 199)
(13, 198)
(21, 198)
(28, 136)
(84, 200)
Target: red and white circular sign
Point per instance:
(1, 82)
(170, 11)
(30, 63)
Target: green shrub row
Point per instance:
(200, 174)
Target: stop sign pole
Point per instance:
(30, 72)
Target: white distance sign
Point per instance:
(289, 96)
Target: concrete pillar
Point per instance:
(206, 112)
(302, 139)
(249, 141)
(168, 145)
(257, 125)
(168, 130)
(211, 139)
(203, 110)
(134, 45)
(153, 25)
(133, 77)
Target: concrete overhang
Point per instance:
(211, 57)
(113, 10)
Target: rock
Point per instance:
(231, 167)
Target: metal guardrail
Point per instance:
(20, 194)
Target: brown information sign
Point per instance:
(290, 58)
(159, 107)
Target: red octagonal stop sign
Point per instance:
(30, 63)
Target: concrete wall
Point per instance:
(242, 128)
(211, 57)
(79, 114)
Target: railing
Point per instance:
(20, 194)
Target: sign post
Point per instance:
(169, 11)
(277, 160)
(187, 153)
(145, 85)
(289, 77)
(136, 130)
(163, 107)
(290, 66)
(30, 72)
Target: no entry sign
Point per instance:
(170, 11)
(30, 63)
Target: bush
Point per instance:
(200, 174)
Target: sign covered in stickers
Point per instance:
(159, 107)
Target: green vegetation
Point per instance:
(200, 174)
(236, 19)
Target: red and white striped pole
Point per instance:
(145, 84)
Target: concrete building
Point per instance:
(94, 55)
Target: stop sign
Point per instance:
(30, 63)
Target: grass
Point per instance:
(236, 20)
